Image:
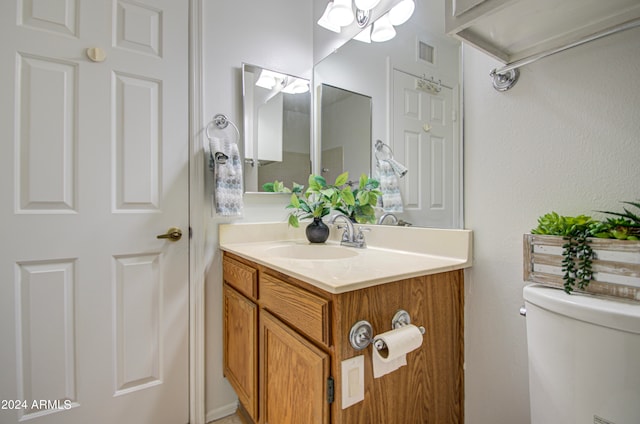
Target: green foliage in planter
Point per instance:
(365, 198)
(576, 252)
(320, 197)
(625, 227)
(577, 255)
(553, 224)
(315, 201)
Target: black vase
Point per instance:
(317, 231)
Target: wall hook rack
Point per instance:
(429, 85)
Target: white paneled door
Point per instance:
(93, 166)
(425, 141)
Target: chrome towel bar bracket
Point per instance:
(221, 121)
(506, 77)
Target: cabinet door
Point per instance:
(241, 348)
(294, 376)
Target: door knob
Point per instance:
(173, 234)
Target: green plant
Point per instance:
(577, 254)
(577, 260)
(365, 198)
(317, 200)
(556, 225)
(320, 197)
(276, 187)
(625, 227)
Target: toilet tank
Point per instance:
(584, 358)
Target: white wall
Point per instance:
(275, 34)
(566, 138)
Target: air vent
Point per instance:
(425, 52)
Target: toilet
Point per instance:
(584, 358)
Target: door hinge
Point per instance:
(330, 389)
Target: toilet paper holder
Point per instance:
(361, 334)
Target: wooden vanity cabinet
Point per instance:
(280, 376)
(294, 375)
(300, 337)
(240, 332)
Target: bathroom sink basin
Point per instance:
(311, 252)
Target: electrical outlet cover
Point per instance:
(352, 381)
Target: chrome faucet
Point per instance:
(384, 216)
(349, 237)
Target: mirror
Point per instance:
(414, 81)
(345, 133)
(277, 128)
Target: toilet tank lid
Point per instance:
(619, 314)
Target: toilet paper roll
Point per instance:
(398, 343)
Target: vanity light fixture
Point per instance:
(366, 4)
(401, 12)
(362, 17)
(382, 29)
(325, 22)
(364, 35)
(341, 13)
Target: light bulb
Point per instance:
(341, 13)
(401, 12)
(325, 22)
(366, 4)
(382, 29)
(364, 35)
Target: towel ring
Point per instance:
(221, 122)
(380, 146)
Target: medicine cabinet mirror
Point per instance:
(277, 128)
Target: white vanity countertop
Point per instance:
(392, 253)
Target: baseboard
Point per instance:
(221, 412)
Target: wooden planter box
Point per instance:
(616, 267)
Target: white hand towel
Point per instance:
(227, 170)
(391, 198)
(397, 167)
